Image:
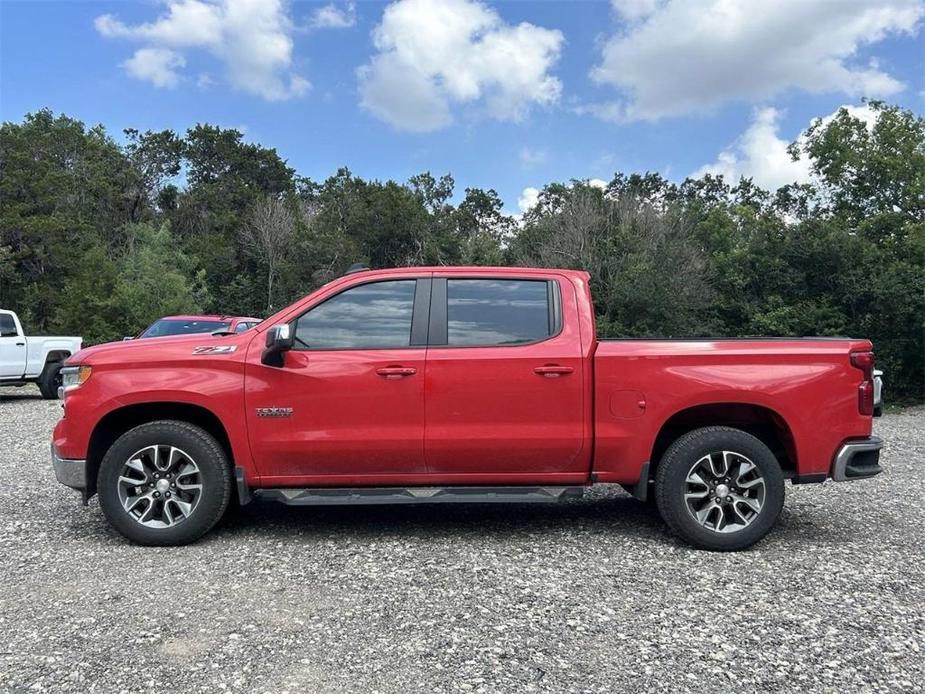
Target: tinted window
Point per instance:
(165, 327)
(370, 316)
(7, 325)
(496, 312)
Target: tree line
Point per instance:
(98, 237)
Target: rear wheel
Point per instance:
(50, 380)
(719, 488)
(164, 483)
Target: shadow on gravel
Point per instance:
(10, 395)
(614, 515)
(618, 518)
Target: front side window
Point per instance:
(370, 316)
(7, 325)
(497, 312)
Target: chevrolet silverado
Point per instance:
(468, 384)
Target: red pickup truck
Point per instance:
(469, 384)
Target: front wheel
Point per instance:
(719, 488)
(50, 380)
(164, 483)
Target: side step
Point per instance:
(371, 496)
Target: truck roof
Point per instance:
(462, 269)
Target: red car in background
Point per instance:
(189, 325)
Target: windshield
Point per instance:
(173, 326)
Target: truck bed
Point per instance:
(806, 388)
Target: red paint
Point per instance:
(552, 412)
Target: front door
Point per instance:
(347, 407)
(12, 348)
(505, 382)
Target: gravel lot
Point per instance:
(593, 596)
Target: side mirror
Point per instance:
(279, 341)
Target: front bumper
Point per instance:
(858, 460)
(69, 472)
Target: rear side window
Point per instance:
(485, 312)
(370, 316)
(7, 325)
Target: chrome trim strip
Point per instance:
(71, 473)
(848, 451)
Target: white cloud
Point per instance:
(531, 157)
(528, 199)
(761, 154)
(674, 57)
(251, 37)
(333, 17)
(433, 54)
(157, 65)
(634, 10)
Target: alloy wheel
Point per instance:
(160, 486)
(724, 491)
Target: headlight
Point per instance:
(73, 376)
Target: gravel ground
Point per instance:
(593, 596)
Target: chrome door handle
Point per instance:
(553, 370)
(393, 372)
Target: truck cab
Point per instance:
(36, 360)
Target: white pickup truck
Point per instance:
(32, 359)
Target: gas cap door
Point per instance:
(627, 404)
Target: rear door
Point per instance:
(505, 398)
(347, 406)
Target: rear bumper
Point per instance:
(878, 392)
(69, 472)
(858, 460)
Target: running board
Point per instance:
(371, 496)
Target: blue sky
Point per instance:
(507, 95)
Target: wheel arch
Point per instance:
(57, 355)
(119, 421)
(762, 422)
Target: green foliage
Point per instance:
(99, 239)
(108, 298)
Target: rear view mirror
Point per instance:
(279, 341)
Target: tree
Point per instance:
(648, 278)
(61, 194)
(869, 170)
(155, 279)
(156, 157)
(267, 235)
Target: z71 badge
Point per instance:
(215, 349)
(274, 411)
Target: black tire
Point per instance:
(671, 485)
(49, 380)
(214, 475)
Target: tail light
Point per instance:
(865, 362)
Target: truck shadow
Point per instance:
(26, 394)
(613, 514)
(618, 516)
